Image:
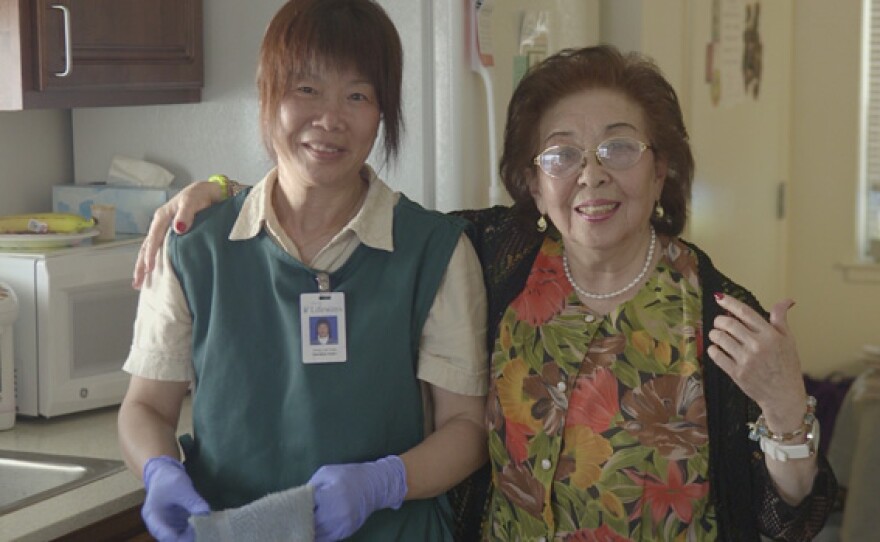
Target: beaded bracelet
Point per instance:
(758, 428)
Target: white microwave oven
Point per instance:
(74, 327)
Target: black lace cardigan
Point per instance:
(745, 498)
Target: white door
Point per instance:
(742, 149)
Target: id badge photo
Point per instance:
(322, 322)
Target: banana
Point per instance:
(45, 223)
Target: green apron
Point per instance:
(263, 421)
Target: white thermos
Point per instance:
(8, 314)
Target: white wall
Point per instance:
(35, 153)
(835, 316)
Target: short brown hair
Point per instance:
(573, 70)
(306, 35)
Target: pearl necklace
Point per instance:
(616, 293)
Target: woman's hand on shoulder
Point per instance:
(179, 210)
(762, 358)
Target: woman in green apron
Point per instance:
(379, 422)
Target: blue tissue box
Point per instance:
(134, 206)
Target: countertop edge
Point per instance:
(73, 510)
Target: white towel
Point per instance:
(286, 516)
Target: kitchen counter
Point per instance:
(90, 434)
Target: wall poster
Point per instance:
(734, 56)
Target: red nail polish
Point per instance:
(180, 227)
(719, 295)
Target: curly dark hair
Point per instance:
(601, 67)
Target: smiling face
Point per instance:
(598, 208)
(308, 36)
(326, 127)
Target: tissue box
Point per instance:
(134, 206)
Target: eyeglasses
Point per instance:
(562, 161)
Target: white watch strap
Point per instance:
(784, 452)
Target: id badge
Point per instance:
(322, 319)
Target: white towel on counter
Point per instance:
(285, 516)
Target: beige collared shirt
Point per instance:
(452, 353)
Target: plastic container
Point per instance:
(8, 315)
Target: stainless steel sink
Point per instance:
(28, 477)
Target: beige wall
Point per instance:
(834, 316)
(35, 153)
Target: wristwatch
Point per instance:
(784, 452)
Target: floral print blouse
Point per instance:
(597, 424)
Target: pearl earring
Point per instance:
(659, 212)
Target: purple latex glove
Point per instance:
(171, 500)
(346, 495)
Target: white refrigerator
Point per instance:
(449, 156)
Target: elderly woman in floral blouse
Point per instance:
(624, 366)
(626, 369)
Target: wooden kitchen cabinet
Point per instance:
(92, 53)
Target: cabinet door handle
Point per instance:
(68, 60)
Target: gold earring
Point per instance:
(659, 212)
(542, 224)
